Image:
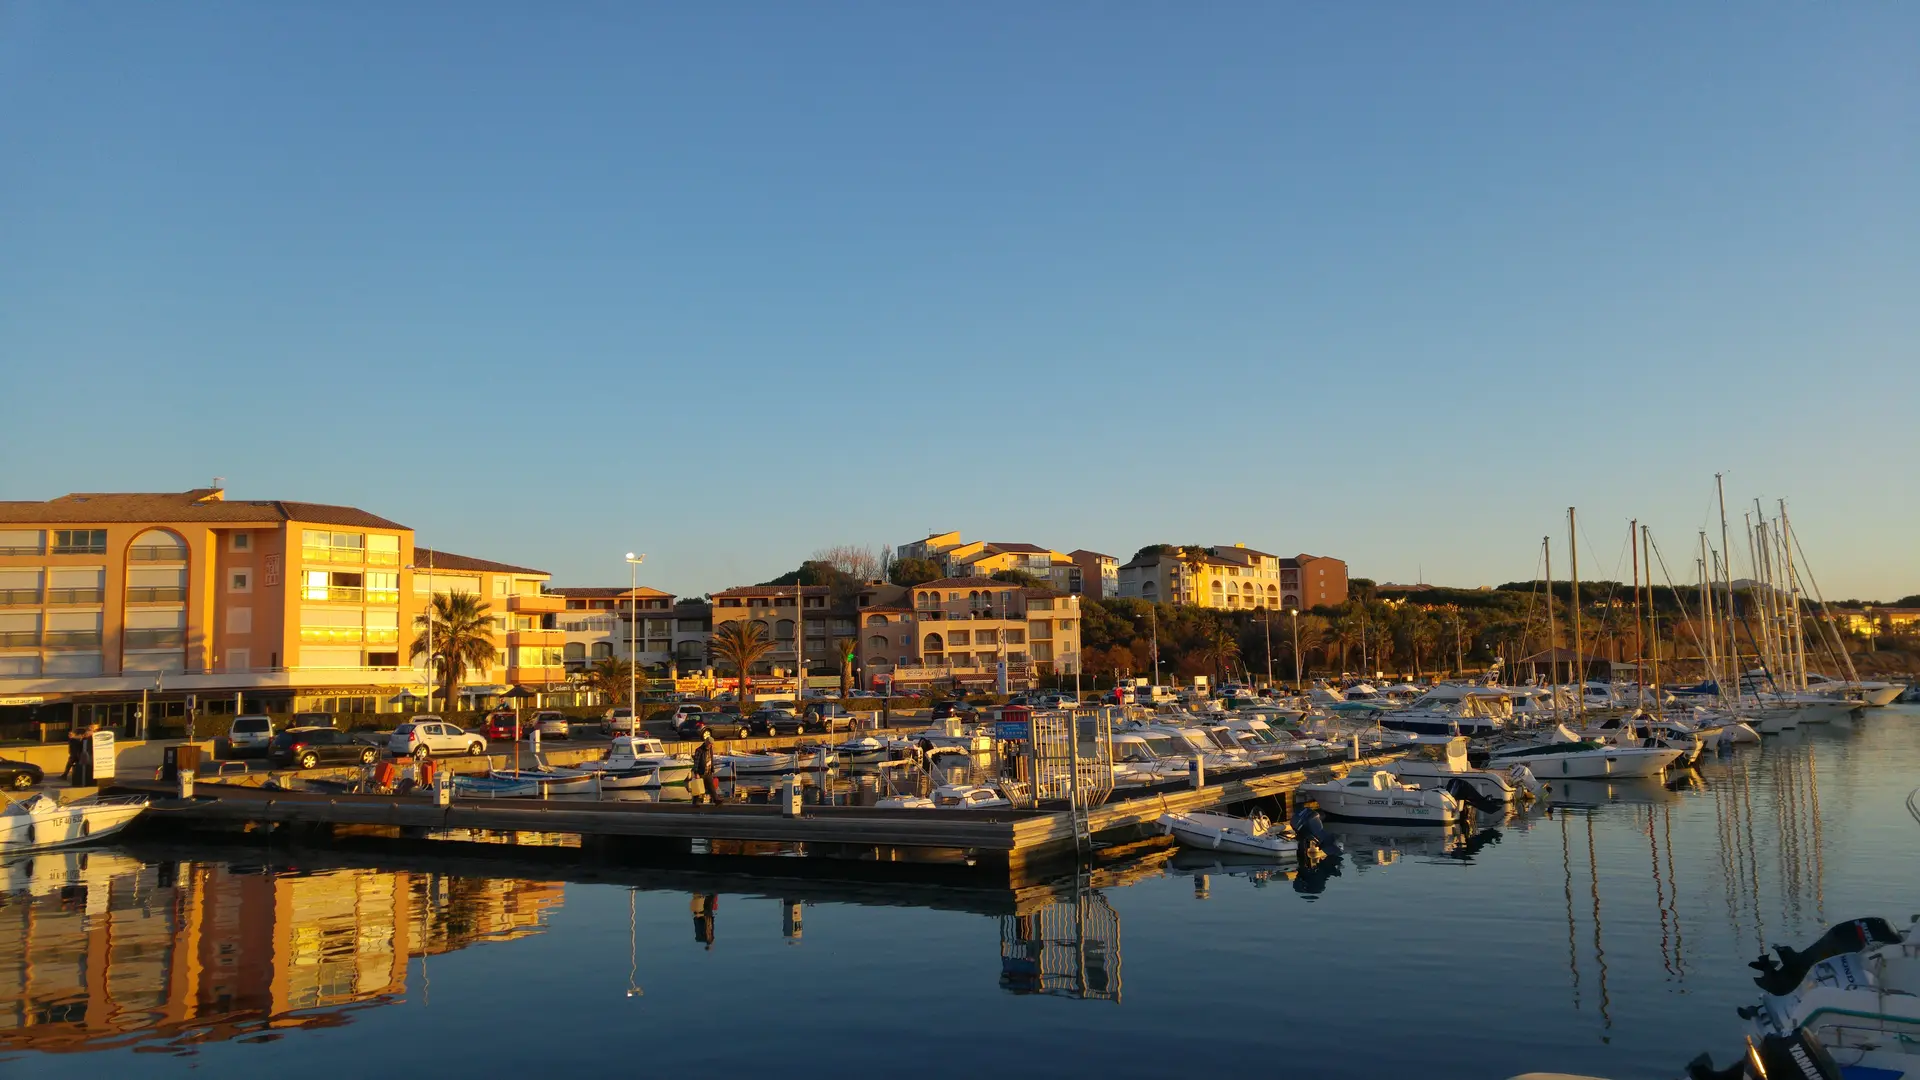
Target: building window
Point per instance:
(240, 581)
(80, 541)
(241, 542)
(383, 586)
(383, 550)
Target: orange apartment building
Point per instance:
(291, 604)
(960, 629)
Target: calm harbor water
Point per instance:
(1609, 936)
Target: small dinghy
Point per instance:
(547, 781)
(865, 750)
(1253, 835)
(493, 787)
(773, 763)
(41, 822)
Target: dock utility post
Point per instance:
(1197, 773)
(790, 796)
(442, 787)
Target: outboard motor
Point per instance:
(1798, 1056)
(1307, 825)
(1781, 977)
(1522, 777)
(1464, 791)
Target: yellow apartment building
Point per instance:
(960, 629)
(194, 595)
(1232, 577)
(985, 558)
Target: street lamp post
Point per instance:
(633, 641)
(1267, 624)
(1295, 613)
(416, 569)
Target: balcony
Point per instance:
(383, 558)
(76, 596)
(336, 594)
(538, 603)
(350, 555)
(332, 635)
(79, 549)
(156, 594)
(156, 553)
(169, 638)
(23, 549)
(19, 639)
(73, 639)
(19, 597)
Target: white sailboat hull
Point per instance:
(1615, 761)
(43, 824)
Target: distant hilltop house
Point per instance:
(1871, 619)
(1076, 573)
(194, 598)
(1232, 577)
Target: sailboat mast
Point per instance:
(1573, 572)
(1653, 617)
(1553, 630)
(1794, 626)
(1639, 645)
(1726, 553)
(1712, 656)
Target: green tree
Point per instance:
(1218, 646)
(1021, 578)
(741, 644)
(1345, 636)
(612, 677)
(455, 634)
(843, 648)
(912, 572)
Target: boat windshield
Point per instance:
(1165, 746)
(1223, 739)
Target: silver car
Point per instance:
(250, 735)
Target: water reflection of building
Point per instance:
(100, 951)
(1068, 947)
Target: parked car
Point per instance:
(618, 721)
(428, 736)
(944, 709)
(774, 721)
(309, 747)
(552, 725)
(501, 724)
(249, 736)
(824, 718)
(20, 775)
(727, 723)
(313, 719)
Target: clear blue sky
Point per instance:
(728, 283)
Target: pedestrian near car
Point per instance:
(703, 766)
(75, 739)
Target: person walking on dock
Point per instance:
(703, 766)
(76, 739)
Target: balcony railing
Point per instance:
(339, 555)
(331, 635)
(156, 594)
(156, 553)
(22, 549)
(72, 639)
(383, 596)
(382, 636)
(19, 597)
(383, 558)
(19, 639)
(156, 639)
(79, 549)
(338, 594)
(92, 595)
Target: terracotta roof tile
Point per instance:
(447, 560)
(199, 505)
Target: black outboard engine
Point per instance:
(1307, 825)
(1839, 940)
(1798, 1056)
(1464, 791)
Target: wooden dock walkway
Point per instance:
(1003, 838)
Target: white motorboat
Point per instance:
(39, 822)
(1437, 763)
(865, 750)
(1136, 761)
(771, 763)
(1253, 835)
(1559, 752)
(1378, 797)
(638, 761)
(1454, 709)
(1647, 730)
(904, 802)
(1873, 695)
(546, 781)
(1856, 990)
(969, 797)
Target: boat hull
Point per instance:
(1618, 762)
(70, 825)
(1220, 832)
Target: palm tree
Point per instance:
(1345, 636)
(741, 644)
(612, 677)
(1422, 634)
(456, 635)
(843, 648)
(1219, 647)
